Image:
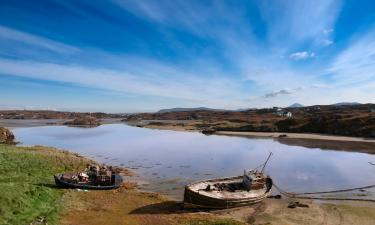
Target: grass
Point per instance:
(26, 182)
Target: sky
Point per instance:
(143, 55)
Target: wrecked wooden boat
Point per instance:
(253, 187)
(229, 192)
(94, 178)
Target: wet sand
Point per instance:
(129, 206)
(325, 142)
(322, 141)
(297, 136)
(309, 136)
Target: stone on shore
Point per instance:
(6, 136)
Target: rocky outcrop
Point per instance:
(6, 136)
(87, 121)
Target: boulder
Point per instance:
(87, 121)
(6, 136)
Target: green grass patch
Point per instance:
(26, 182)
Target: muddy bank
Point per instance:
(129, 206)
(297, 136)
(325, 142)
(16, 123)
(351, 146)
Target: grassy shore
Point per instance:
(26, 183)
(28, 195)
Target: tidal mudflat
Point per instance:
(167, 160)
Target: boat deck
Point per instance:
(238, 194)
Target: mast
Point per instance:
(269, 156)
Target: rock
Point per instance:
(87, 121)
(293, 205)
(275, 196)
(6, 136)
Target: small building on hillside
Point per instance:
(285, 114)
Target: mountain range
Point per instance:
(295, 105)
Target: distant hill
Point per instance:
(243, 109)
(187, 109)
(296, 105)
(346, 103)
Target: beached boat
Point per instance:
(229, 192)
(94, 178)
(116, 182)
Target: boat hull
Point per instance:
(61, 183)
(193, 198)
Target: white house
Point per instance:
(285, 114)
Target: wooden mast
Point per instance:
(269, 156)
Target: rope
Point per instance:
(335, 191)
(297, 195)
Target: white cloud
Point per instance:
(327, 42)
(356, 64)
(301, 55)
(26, 38)
(283, 92)
(183, 86)
(299, 21)
(206, 20)
(202, 78)
(327, 31)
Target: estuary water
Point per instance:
(167, 160)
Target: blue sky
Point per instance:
(132, 56)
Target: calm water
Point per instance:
(168, 160)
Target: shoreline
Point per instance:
(20, 123)
(130, 205)
(152, 207)
(311, 136)
(321, 141)
(325, 137)
(170, 126)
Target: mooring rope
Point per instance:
(298, 195)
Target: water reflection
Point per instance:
(171, 159)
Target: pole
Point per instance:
(269, 156)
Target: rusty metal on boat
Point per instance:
(94, 177)
(253, 187)
(228, 192)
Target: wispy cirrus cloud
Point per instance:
(327, 38)
(213, 53)
(130, 74)
(12, 35)
(356, 63)
(299, 21)
(301, 55)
